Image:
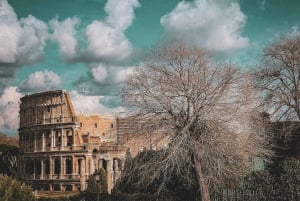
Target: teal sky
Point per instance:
(89, 47)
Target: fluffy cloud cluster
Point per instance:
(64, 35)
(105, 38)
(110, 74)
(41, 80)
(92, 105)
(9, 108)
(212, 24)
(23, 41)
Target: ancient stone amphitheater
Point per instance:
(60, 149)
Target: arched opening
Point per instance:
(47, 166)
(104, 165)
(95, 152)
(69, 138)
(79, 165)
(38, 166)
(56, 166)
(57, 138)
(29, 167)
(68, 166)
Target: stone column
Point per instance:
(34, 142)
(73, 137)
(62, 139)
(82, 175)
(34, 163)
(109, 175)
(92, 166)
(52, 140)
(51, 167)
(42, 169)
(116, 171)
(43, 141)
(73, 167)
(100, 163)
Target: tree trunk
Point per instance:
(201, 180)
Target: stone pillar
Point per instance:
(92, 166)
(109, 175)
(34, 163)
(51, 167)
(42, 169)
(73, 167)
(73, 137)
(52, 140)
(43, 141)
(116, 171)
(100, 163)
(82, 175)
(34, 142)
(62, 139)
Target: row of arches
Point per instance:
(47, 168)
(46, 140)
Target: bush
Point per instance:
(12, 190)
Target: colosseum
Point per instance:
(60, 149)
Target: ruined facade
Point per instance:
(60, 149)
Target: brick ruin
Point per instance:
(60, 149)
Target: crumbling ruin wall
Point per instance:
(60, 149)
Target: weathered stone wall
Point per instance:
(59, 150)
(96, 129)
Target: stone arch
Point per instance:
(38, 167)
(57, 166)
(104, 164)
(95, 152)
(47, 166)
(69, 165)
(29, 167)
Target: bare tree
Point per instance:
(204, 108)
(279, 78)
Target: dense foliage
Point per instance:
(13, 190)
(8, 159)
(100, 186)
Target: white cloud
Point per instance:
(212, 24)
(122, 74)
(120, 13)
(42, 80)
(106, 42)
(33, 40)
(10, 31)
(64, 35)
(92, 105)
(9, 108)
(106, 39)
(104, 74)
(99, 73)
(21, 41)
